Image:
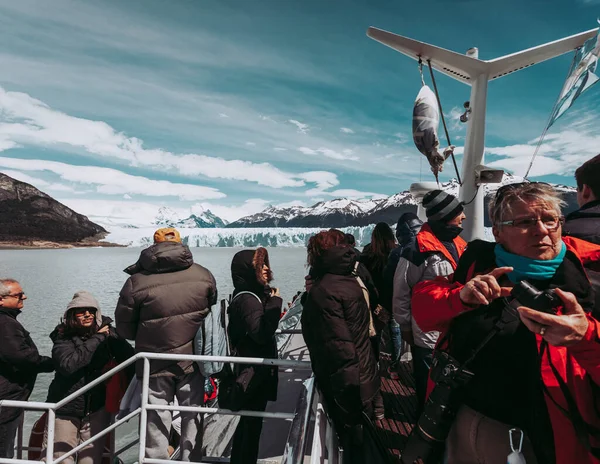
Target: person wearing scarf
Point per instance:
(434, 253)
(539, 373)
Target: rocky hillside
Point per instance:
(26, 213)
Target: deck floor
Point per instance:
(400, 404)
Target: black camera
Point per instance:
(426, 441)
(525, 294)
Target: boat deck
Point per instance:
(400, 407)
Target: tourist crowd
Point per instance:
(504, 336)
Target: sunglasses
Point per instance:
(83, 311)
(508, 187)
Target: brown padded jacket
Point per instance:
(163, 303)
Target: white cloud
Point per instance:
(560, 153)
(115, 212)
(324, 180)
(27, 121)
(347, 193)
(280, 149)
(251, 144)
(110, 181)
(223, 115)
(303, 128)
(346, 130)
(38, 183)
(345, 154)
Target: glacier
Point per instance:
(241, 237)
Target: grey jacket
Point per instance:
(425, 259)
(163, 303)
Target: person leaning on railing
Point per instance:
(85, 346)
(540, 372)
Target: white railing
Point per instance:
(142, 411)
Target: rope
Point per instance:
(437, 96)
(421, 72)
(547, 126)
(472, 199)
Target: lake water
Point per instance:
(51, 277)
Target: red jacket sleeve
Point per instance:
(435, 303)
(587, 351)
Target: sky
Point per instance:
(118, 108)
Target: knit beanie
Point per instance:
(441, 206)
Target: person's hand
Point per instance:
(275, 292)
(104, 330)
(559, 330)
(408, 336)
(482, 289)
(308, 282)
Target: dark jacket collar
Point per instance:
(162, 258)
(10, 312)
(590, 209)
(428, 242)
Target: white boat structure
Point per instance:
(299, 401)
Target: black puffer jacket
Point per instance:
(584, 223)
(335, 325)
(252, 323)
(407, 229)
(163, 303)
(20, 363)
(79, 360)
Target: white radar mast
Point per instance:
(470, 70)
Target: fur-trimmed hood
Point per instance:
(246, 270)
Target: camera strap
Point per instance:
(583, 430)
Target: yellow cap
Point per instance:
(167, 234)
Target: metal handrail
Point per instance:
(143, 410)
(295, 447)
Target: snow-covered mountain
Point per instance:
(343, 212)
(340, 212)
(204, 219)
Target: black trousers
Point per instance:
(246, 438)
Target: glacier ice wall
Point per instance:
(243, 237)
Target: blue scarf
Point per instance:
(527, 268)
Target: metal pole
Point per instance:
(50, 439)
(144, 413)
(473, 156)
(20, 437)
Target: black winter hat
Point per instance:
(441, 206)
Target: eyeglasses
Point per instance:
(18, 296)
(83, 311)
(551, 223)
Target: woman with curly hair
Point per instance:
(253, 318)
